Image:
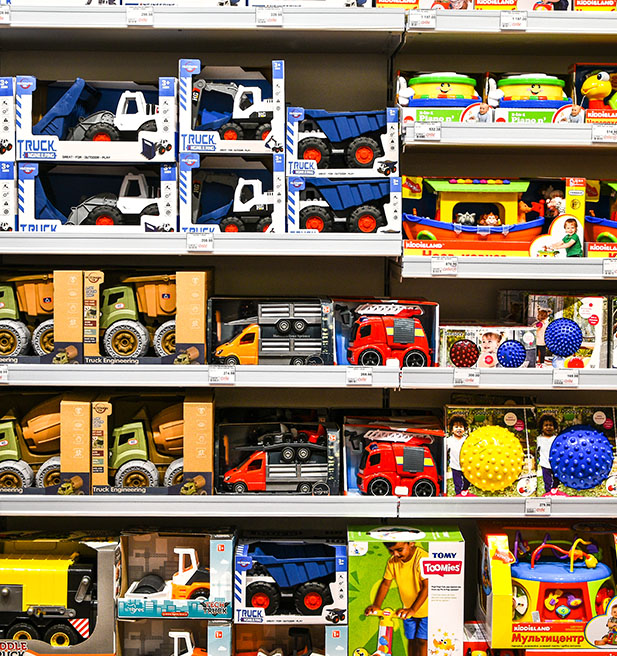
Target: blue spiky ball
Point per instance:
(511, 353)
(563, 337)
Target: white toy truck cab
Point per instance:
(183, 640)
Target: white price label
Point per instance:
(359, 375)
(603, 133)
(425, 19)
(4, 374)
(538, 506)
(5, 15)
(139, 16)
(221, 375)
(513, 20)
(565, 377)
(466, 377)
(609, 267)
(202, 242)
(427, 131)
(268, 16)
(444, 265)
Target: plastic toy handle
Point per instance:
(550, 546)
(573, 551)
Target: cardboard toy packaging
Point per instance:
(398, 564)
(613, 332)
(491, 451)
(269, 638)
(7, 122)
(594, 86)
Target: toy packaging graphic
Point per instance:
(96, 121)
(342, 144)
(180, 575)
(7, 122)
(355, 206)
(369, 332)
(491, 451)
(523, 5)
(97, 198)
(295, 640)
(613, 332)
(232, 194)
(413, 572)
(595, 86)
(154, 318)
(229, 110)
(152, 444)
(175, 637)
(290, 582)
(571, 331)
(576, 449)
(266, 330)
(548, 586)
(601, 219)
(277, 457)
(394, 456)
(487, 346)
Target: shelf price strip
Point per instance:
(140, 16)
(200, 242)
(538, 506)
(424, 19)
(444, 265)
(268, 16)
(609, 267)
(427, 131)
(565, 378)
(466, 377)
(513, 20)
(359, 376)
(5, 15)
(221, 375)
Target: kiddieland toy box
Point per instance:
(152, 444)
(232, 194)
(96, 121)
(290, 582)
(172, 636)
(548, 586)
(595, 88)
(491, 451)
(270, 638)
(413, 571)
(179, 575)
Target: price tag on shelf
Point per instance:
(425, 19)
(444, 265)
(427, 131)
(565, 377)
(603, 133)
(359, 376)
(513, 20)
(139, 16)
(538, 506)
(4, 374)
(466, 377)
(269, 16)
(200, 242)
(609, 267)
(221, 374)
(5, 15)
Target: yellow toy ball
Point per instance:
(491, 458)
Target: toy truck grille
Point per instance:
(404, 331)
(413, 459)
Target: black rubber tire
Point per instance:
(232, 221)
(13, 633)
(200, 593)
(263, 224)
(351, 152)
(311, 588)
(379, 487)
(288, 454)
(299, 326)
(313, 143)
(370, 358)
(358, 219)
(233, 127)
(263, 131)
(304, 488)
(106, 129)
(297, 361)
(65, 630)
(240, 488)
(148, 126)
(232, 360)
(303, 453)
(283, 326)
(415, 358)
(150, 584)
(317, 213)
(263, 588)
(423, 488)
(103, 210)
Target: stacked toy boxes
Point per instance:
(232, 130)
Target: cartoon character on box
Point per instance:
(458, 433)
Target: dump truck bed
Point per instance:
(342, 126)
(342, 195)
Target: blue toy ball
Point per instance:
(511, 354)
(581, 457)
(563, 337)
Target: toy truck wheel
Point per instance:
(231, 224)
(150, 584)
(148, 126)
(61, 635)
(299, 326)
(137, 473)
(240, 488)
(415, 359)
(103, 215)
(303, 453)
(174, 474)
(43, 338)
(150, 210)
(126, 339)
(201, 594)
(22, 631)
(379, 487)
(102, 132)
(305, 488)
(288, 453)
(365, 219)
(423, 488)
(361, 153)
(370, 358)
(164, 340)
(48, 473)
(232, 360)
(263, 131)
(231, 132)
(15, 474)
(311, 597)
(263, 595)
(263, 224)
(316, 218)
(14, 338)
(316, 150)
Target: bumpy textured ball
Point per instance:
(464, 353)
(581, 457)
(563, 337)
(511, 353)
(491, 458)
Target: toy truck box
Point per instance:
(181, 575)
(475, 643)
(96, 121)
(355, 206)
(96, 199)
(371, 332)
(290, 582)
(44, 444)
(491, 451)
(283, 331)
(230, 110)
(148, 318)
(613, 332)
(564, 431)
(7, 119)
(295, 458)
(572, 331)
(523, 5)
(294, 641)
(342, 144)
(153, 444)
(232, 194)
(594, 89)
(391, 569)
(547, 586)
(178, 638)
(486, 345)
(73, 578)
(394, 456)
